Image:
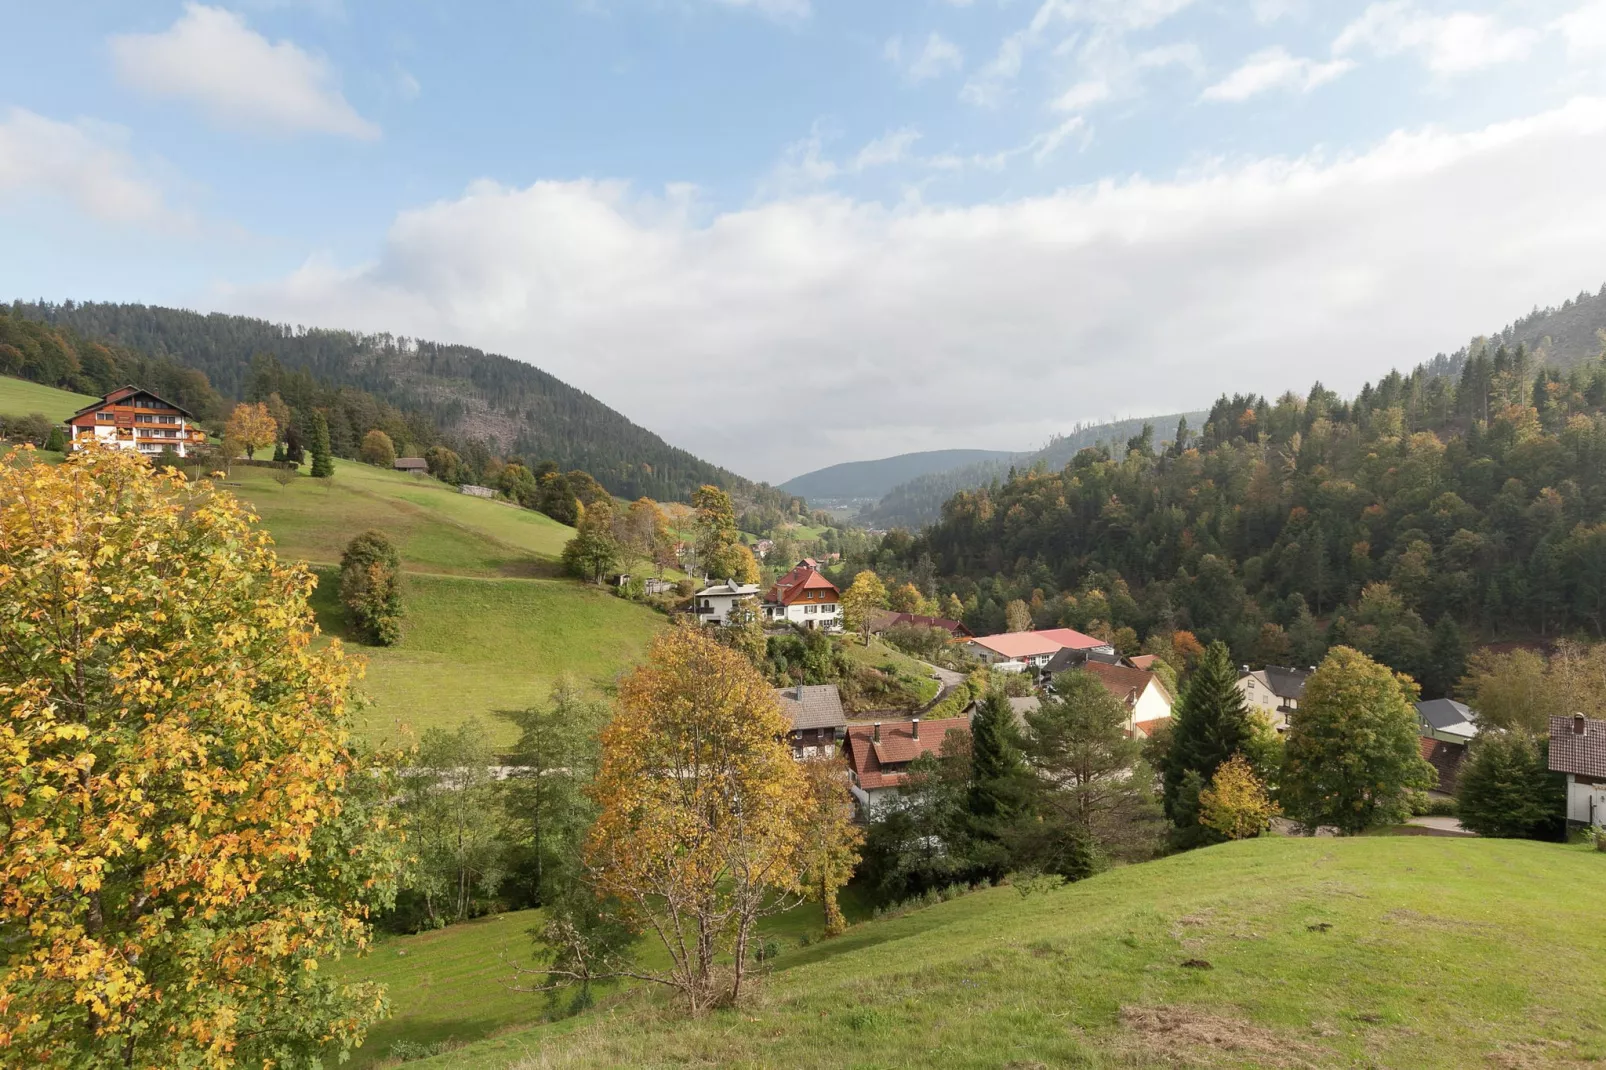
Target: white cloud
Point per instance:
(916, 326)
(1584, 30)
(891, 149)
(1449, 45)
(212, 59)
(1083, 95)
(87, 164)
(1274, 68)
(989, 86)
(938, 56)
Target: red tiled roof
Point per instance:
(867, 757)
(1144, 661)
(1146, 728)
(1581, 754)
(790, 587)
(1071, 639)
(1122, 681)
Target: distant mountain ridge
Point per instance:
(873, 479)
(919, 501)
(469, 394)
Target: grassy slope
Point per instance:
(879, 655)
(487, 624)
(1441, 953)
(18, 397)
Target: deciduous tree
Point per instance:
(252, 427)
(593, 552)
(906, 599)
(1352, 756)
(456, 830)
(377, 449)
(189, 830)
(1017, 617)
(370, 586)
(831, 839)
(1236, 803)
(861, 600)
(701, 811)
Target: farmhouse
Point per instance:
(885, 620)
(1274, 692)
(818, 720)
(1019, 651)
(133, 419)
(713, 604)
(805, 598)
(1138, 689)
(1578, 748)
(879, 756)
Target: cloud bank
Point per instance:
(814, 329)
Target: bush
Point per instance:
(34, 428)
(56, 440)
(1598, 834)
(370, 586)
(377, 449)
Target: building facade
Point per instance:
(712, 605)
(805, 598)
(133, 419)
(1578, 749)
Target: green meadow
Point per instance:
(18, 397)
(1408, 952)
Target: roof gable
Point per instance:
(812, 706)
(898, 745)
(1579, 753)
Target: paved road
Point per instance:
(949, 680)
(1450, 826)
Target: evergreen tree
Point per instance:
(1209, 726)
(996, 796)
(1506, 789)
(56, 441)
(293, 451)
(1447, 658)
(323, 462)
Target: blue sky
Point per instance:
(915, 224)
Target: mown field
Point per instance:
(489, 624)
(1375, 952)
(18, 397)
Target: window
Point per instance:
(105, 417)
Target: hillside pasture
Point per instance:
(1292, 953)
(19, 397)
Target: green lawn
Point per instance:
(18, 397)
(879, 655)
(473, 647)
(1390, 952)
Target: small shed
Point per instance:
(411, 464)
(477, 491)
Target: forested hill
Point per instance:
(1427, 509)
(872, 479)
(469, 395)
(919, 501)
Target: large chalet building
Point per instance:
(133, 419)
(806, 598)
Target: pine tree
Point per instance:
(323, 462)
(997, 793)
(1506, 789)
(1210, 725)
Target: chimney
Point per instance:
(1579, 724)
(799, 693)
(876, 733)
(914, 727)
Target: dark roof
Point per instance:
(1069, 658)
(1286, 682)
(411, 464)
(812, 706)
(1446, 758)
(897, 747)
(1580, 753)
(1443, 713)
(123, 392)
(883, 619)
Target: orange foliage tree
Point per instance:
(252, 426)
(831, 840)
(188, 832)
(699, 830)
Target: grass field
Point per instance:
(18, 397)
(879, 655)
(488, 626)
(1381, 952)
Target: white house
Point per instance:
(805, 598)
(1578, 748)
(1018, 651)
(1274, 692)
(133, 419)
(713, 604)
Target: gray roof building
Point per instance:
(812, 706)
(1445, 718)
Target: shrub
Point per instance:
(377, 449)
(1506, 789)
(56, 440)
(370, 586)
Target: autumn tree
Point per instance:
(831, 838)
(370, 586)
(718, 537)
(699, 832)
(1017, 617)
(643, 530)
(860, 602)
(252, 427)
(1509, 690)
(743, 630)
(377, 449)
(593, 552)
(190, 832)
(1352, 756)
(1236, 804)
(906, 599)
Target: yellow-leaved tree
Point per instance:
(831, 840)
(1236, 803)
(188, 832)
(252, 427)
(860, 601)
(701, 808)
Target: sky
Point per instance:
(789, 233)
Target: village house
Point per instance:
(713, 604)
(819, 722)
(1139, 690)
(1019, 651)
(1578, 749)
(1447, 726)
(133, 419)
(879, 755)
(806, 598)
(1274, 692)
(762, 548)
(883, 620)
